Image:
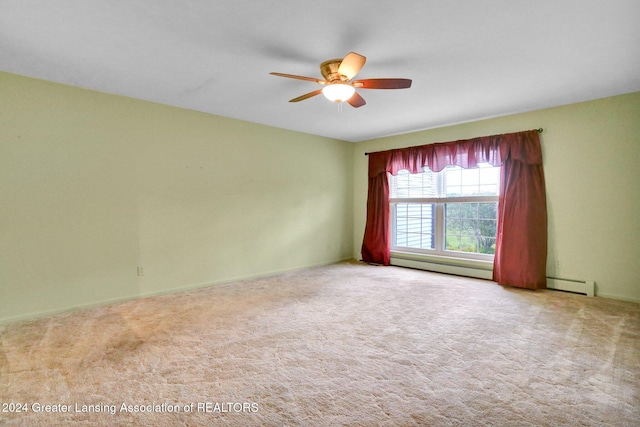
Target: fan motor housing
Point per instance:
(329, 70)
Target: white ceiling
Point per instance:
(468, 59)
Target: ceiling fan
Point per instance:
(338, 83)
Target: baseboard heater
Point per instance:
(443, 267)
(585, 287)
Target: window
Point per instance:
(450, 213)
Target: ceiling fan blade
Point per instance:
(293, 76)
(382, 83)
(306, 96)
(351, 65)
(356, 100)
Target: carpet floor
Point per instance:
(341, 345)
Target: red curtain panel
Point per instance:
(521, 241)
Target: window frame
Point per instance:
(439, 250)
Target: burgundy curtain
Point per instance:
(376, 246)
(521, 244)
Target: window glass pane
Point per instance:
(401, 239)
(452, 181)
(414, 210)
(452, 218)
(471, 227)
(488, 210)
(414, 225)
(487, 227)
(470, 177)
(468, 210)
(488, 190)
(481, 181)
(489, 175)
(418, 185)
(454, 176)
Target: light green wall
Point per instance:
(592, 168)
(94, 185)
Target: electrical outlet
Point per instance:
(140, 271)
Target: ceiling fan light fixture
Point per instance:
(338, 92)
(338, 84)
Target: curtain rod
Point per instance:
(539, 131)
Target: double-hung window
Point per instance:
(448, 213)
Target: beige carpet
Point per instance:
(348, 344)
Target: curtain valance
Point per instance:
(521, 146)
